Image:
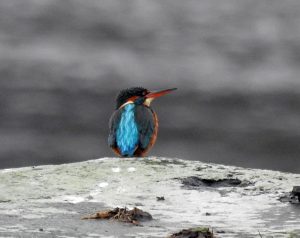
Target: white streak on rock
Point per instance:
(116, 170)
(131, 169)
(103, 184)
(73, 199)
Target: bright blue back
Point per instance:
(127, 136)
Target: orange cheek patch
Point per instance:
(132, 99)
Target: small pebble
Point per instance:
(90, 197)
(160, 198)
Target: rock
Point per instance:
(55, 197)
(199, 232)
(296, 192)
(291, 197)
(160, 198)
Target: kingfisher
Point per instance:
(133, 126)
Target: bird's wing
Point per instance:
(113, 126)
(146, 125)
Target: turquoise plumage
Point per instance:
(127, 133)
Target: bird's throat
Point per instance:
(148, 101)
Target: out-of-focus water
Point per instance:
(54, 126)
(236, 65)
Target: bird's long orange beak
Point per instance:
(156, 94)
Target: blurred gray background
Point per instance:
(236, 64)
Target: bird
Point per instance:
(133, 126)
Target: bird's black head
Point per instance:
(128, 93)
(140, 95)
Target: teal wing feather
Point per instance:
(146, 125)
(113, 126)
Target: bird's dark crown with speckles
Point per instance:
(125, 94)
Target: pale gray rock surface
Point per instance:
(48, 201)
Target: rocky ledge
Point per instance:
(47, 201)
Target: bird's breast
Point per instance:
(127, 136)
